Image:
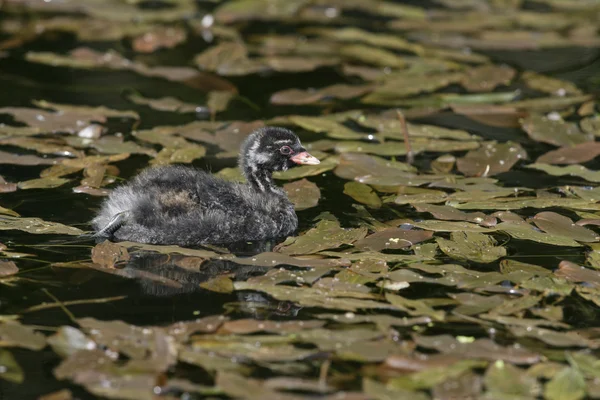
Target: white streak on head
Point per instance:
(261, 158)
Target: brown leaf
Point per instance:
(8, 268)
(576, 154)
(339, 91)
(109, 255)
(158, 38)
(491, 159)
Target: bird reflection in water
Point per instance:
(168, 275)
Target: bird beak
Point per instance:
(305, 159)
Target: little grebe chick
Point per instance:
(185, 206)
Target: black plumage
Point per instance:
(185, 206)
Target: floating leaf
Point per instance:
(303, 193)
(9, 158)
(471, 246)
(363, 194)
(11, 370)
(571, 170)
(168, 103)
(418, 145)
(552, 131)
(392, 238)
(504, 380)
(42, 183)
(158, 38)
(218, 100)
(309, 297)
(372, 55)
(352, 34)
(327, 234)
(355, 165)
(396, 88)
(415, 307)
(579, 153)
(13, 334)
(36, 225)
(491, 159)
(484, 349)
(332, 128)
(299, 97)
(6, 187)
(109, 255)
(549, 85)
(487, 77)
(218, 284)
(86, 58)
(8, 268)
(553, 223)
(68, 340)
(452, 214)
(568, 384)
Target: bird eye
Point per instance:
(286, 150)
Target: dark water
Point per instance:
(20, 82)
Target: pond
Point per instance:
(448, 243)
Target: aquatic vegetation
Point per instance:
(448, 243)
